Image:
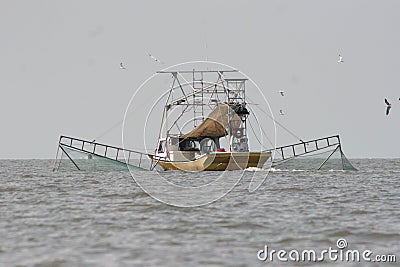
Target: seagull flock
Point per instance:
(388, 105)
(155, 59)
(122, 67)
(281, 92)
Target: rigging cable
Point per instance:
(283, 127)
(266, 136)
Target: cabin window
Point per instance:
(207, 145)
(173, 141)
(189, 145)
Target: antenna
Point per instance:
(205, 46)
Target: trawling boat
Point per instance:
(203, 128)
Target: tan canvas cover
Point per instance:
(214, 125)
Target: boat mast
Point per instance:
(238, 114)
(197, 93)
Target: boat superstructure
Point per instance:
(214, 114)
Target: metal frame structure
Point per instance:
(80, 145)
(195, 99)
(333, 140)
(300, 149)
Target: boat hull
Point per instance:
(219, 161)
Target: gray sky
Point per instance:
(60, 64)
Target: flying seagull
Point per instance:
(340, 59)
(282, 93)
(154, 58)
(281, 112)
(388, 106)
(121, 66)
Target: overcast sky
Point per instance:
(60, 65)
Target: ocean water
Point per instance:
(79, 218)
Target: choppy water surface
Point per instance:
(105, 219)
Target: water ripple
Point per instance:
(105, 219)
